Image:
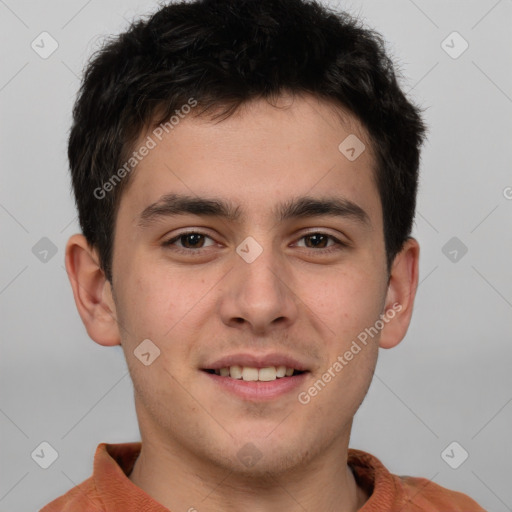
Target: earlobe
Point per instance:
(401, 293)
(92, 292)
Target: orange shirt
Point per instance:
(110, 490)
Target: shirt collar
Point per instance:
(113, 464)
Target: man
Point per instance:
(245, 173)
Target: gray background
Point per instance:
(449, 380)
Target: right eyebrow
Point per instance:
(174, 204)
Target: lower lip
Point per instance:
(258, 390)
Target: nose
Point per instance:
(259, 294)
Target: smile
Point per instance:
(253, 374)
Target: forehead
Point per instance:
(260, 155)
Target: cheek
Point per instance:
(155, 303)
(157, 306)
(167, 308)
(346, 302)
(351, 303)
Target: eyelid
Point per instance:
(339, 242)
(342, 237)
(175, 238)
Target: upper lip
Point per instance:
(256, 361)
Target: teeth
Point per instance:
(280, 371)
(234, 371)
(250, 374)
(267, 374)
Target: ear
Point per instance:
(92, 292)
(403, 282)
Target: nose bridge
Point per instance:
(259, 268)
(261, 275)
(258, 290)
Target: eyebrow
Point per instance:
(171, 205)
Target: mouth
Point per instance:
(257, 378)
(254, 374)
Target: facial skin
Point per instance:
(295, 298)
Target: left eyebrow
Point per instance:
(171, 205)
(304, 207)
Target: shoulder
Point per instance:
(108, 488)
(81, 498)
(389, 492)
(424, 495)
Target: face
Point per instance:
(283, 267)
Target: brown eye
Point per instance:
(321, 241)
(191, 240)
(317, 240)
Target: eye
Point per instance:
(188, 241)
(319, 240)
(194, 241)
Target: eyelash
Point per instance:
(339, 245)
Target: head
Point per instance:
(276, 120)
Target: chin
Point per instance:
(263, 456)
(265, 466)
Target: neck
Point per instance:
(180, 481)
